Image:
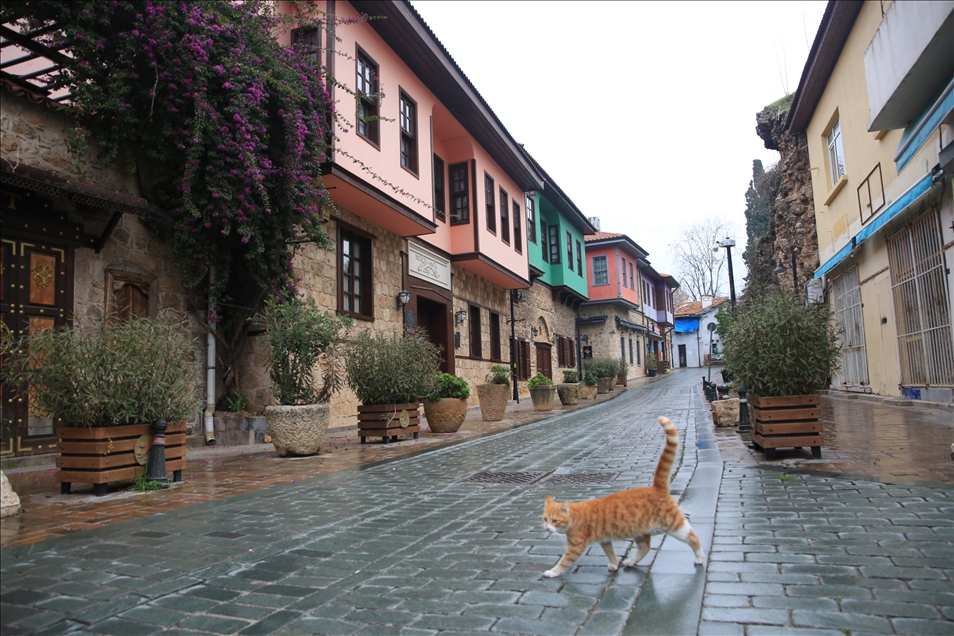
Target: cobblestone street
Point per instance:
(416, 546)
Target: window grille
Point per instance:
(850, 320)
(921, 303)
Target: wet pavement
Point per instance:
(396, 539)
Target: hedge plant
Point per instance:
(390, 368)
(779, 345)
(302, 338)
(448, 385)
(108, 373)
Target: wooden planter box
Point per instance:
(388, 421)
(790, 421)
(100, 455)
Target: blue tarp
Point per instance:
(687, 325)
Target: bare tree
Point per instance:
(702, 271)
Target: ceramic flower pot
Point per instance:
(542, 397)
(493, 401)
(298, 430)
(569, 393)
(445, 415)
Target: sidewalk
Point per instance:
(222, 471)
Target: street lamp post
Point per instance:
(728, 244)
(781, 268)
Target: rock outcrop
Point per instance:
(793, 211)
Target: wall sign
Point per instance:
(426, 265)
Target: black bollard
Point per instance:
(744, 425)
(156, 468)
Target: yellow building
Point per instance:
(875, 101)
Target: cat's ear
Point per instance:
(565, 508)
(549, 499)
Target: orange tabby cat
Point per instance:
(630, 514)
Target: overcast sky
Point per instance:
(643, 113)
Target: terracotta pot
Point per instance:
(569, 393)
(445, 415)
(604, 385)
(588, 392)
(493, 401)
(298, 430)
(542, 397)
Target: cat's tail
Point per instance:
(664, 467)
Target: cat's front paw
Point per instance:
(551, 574)
(629, 563)
(612, 567)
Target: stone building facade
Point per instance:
(61, 205)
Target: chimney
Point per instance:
(595, 222)
(706, 302)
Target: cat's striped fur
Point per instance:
(634, 514)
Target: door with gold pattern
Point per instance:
(35, 293)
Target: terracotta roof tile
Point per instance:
(694, 307)
(601, 236)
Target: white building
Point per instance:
(692, 338)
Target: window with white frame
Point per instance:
(600, 271)
(836, 153)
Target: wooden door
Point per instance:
(34, 294)
(544, 359)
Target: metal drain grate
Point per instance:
(491, 477)
(578, 479)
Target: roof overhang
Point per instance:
(614, 301)
(624, 240)
(359, 197)
(490, 270)
(833, 32)
(566, 295)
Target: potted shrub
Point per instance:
(390, 374)
(651, 364)
(301, 340)
(605, 370)
(622, 370)
(569, 390)
(446, 406)
(541, 392)
(104, 383)
(494, 394)
(783, 351)
(588, 388)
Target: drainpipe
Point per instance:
(209, 423)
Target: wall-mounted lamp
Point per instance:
(585, 338)
(519, 296)
(403, 298)
(534, 331)
(460, 316)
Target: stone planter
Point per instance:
(445, 415)
(604, 385)
(298, 430)
(613, 382)
(569, 393)
(100, 455)
(388, 421)
(542, 397)
(588, 392)
(789, 421)
(493, 401)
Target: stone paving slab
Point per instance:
(410, 547)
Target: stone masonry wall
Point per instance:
(35, 134)
(468, 288)
(793, 220)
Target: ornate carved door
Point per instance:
(34, 294)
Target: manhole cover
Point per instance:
(491, 477)
(576, 479)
